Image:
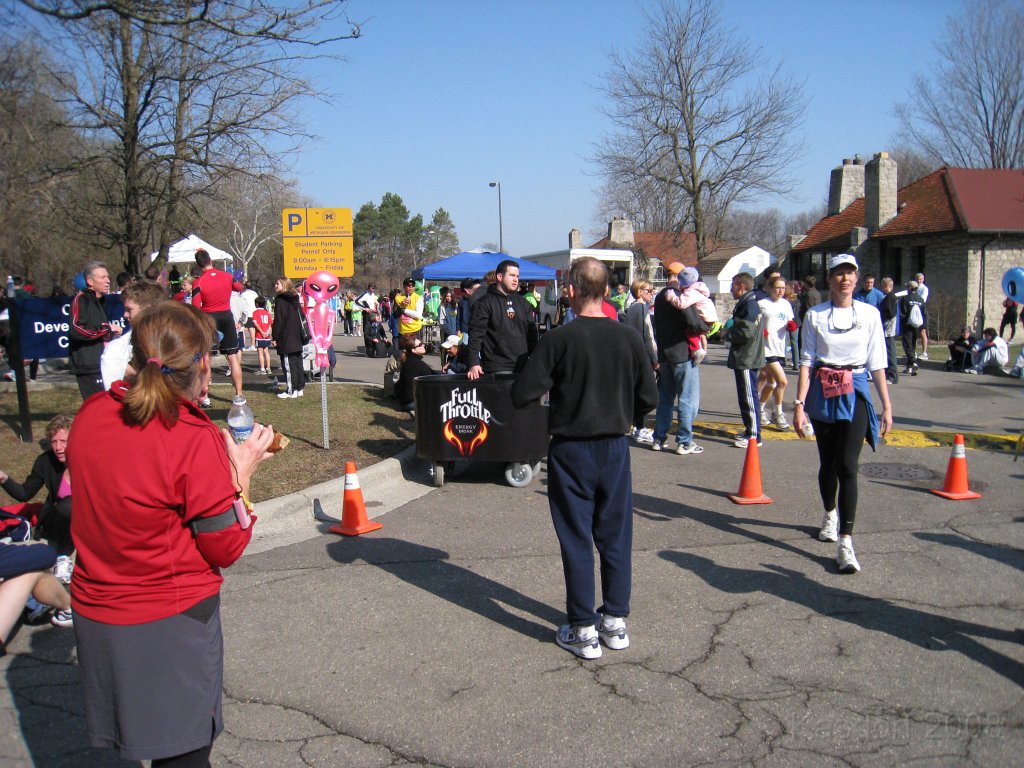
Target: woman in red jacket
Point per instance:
(160, 507)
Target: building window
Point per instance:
(919, 253)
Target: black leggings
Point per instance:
(199, 758)
(839, 447)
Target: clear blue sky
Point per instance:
(440, 97)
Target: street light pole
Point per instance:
(501, 239)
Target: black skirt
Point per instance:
(153, 690)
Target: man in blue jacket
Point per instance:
(868, 293)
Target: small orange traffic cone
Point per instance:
(955, 487)
(353, 515)
(750, 491)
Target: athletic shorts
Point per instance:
(780, 360)
(263, 343)
(225, 323)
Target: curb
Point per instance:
(386, 485)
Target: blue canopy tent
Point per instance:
(477, 263)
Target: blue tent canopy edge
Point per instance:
(477, 264)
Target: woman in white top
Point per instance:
(842, 342)
(777, 314)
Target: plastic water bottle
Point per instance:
(808, 430)
(240, 419)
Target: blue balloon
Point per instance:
(1013, 284)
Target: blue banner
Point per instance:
(44, 324)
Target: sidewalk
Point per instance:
(429, 642)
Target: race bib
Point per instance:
(835, 381)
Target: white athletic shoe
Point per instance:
(829, 527)
(845, 558)
(612, 631)
(63, 569)
(579, 640)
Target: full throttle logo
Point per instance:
(465, 421)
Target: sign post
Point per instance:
(317, 239)
(318, 245)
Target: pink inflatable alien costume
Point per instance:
(321, 287)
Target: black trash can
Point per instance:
(459, 419)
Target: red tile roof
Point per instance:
(946, 200)
(989, 200)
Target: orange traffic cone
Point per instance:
(750, 491)
(353, 515)
(955, 487)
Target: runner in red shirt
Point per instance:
(211, 292)
(262, 325)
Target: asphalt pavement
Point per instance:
(430, 641)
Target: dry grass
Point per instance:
(364, 426)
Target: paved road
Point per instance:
(430, 642)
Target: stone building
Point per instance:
(963, 228)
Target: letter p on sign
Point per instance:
(294, 220)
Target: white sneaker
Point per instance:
(656, 445)
(829, 527)
(780, 420)
(298, 393)
(612, 632)
(63, 569)
(687, 449)
(286, 395)
(845, 559)
(741, 442)
(764, 416)
(922, 356)
(579, 640)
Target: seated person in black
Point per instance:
(412, 365)
(960, 350)
(375, 340)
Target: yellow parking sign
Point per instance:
(317, 239)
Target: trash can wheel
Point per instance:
(438, 474)
(518, 474)
(536, 468)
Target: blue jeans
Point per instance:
(682, 381)
(590, 493)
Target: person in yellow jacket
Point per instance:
(409, 308)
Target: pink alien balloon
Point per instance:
(321, 287)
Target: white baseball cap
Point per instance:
(842, 258)
(451, 341)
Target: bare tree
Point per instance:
(970, 111)
(246, 212)
(694, 109)
(175, 96)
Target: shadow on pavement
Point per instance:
(428, 568)
(1001, 554)
(47, 695)
(654, 508)
(925, 630)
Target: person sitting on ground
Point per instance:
(24, 573)
(53, 520)
(1017, 371)
(454, 355)
(990, 351)
(412, 365)
(960, 350)
(375, 340)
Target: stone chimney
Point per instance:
(620, 233)
(575, 238)
(845, 185)
(879, 192)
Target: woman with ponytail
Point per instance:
(161, 505)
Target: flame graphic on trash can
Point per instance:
(464, 448)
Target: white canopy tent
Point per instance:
(185, 251)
